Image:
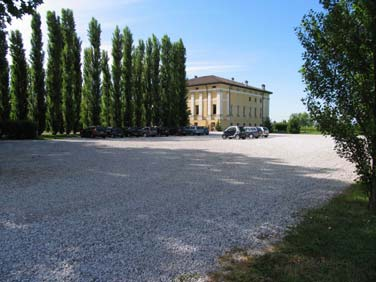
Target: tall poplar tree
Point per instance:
(167, 90)
(116, 77)
(106, 107)
(4, 76)
(148, 94)
(68, 30)
(53, 80)
(94, 34)
(77, 83)
(126, 79)
(179, 82)
(38, 74)
(19, 77)
(138, 83)
(155, 82)
(86, 90)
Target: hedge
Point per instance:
(18, 129)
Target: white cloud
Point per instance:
(205, 68)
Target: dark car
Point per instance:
(114, 132)
(234, 132)
(187, 130)
(134, 132)
(163, 131)
(149, 132)
(252, 132)
(206, 130)
(93, 132)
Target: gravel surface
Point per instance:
(153, 209)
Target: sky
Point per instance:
(250, 40)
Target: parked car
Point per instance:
(149, 132)
(186, 130)
(93, 132)
(266, 132)
(198, 130)
(234, 132)
(134, 132)
(114, 132)
(206, 130)
(163, 131)
(252, 132)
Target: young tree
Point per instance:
(106, 108)
(268, 124)
(293, 124)
(340, 73)
(37, 74)
(53, 79)
(138, 83)
(126, 79)
(181, 116)
(77, 83)
(166, 82)
(94, 33)
(86, 91)
(68, 30)
(155, 82)
(148, 94)
(4, 76)
(116, 77)
(9, 9)
(19, 77)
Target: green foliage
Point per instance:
(94, 97)
(218, 126)
(166, 82)
(304, 119)
(116, 77)
(155, 82)
(148, 94)
(106, 108)
(340, 73)
(293, 124)
(4, 77)
(19, 77)
(77, 83)
(38, 73)
(280, 127)
(68, 29)
(54, 74)
(268, 124)
(138, 83)
(11, 8)
(18, 129)
(86, 91)
(126, 79)
(334, 243)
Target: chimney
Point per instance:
(246, 82)
(232, 78)
(263, 86)
(195, 76)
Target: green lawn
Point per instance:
(47, 136)
(309, 130)
(334, 243)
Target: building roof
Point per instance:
(212, 79)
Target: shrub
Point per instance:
(18, 129)
(293, 125)
(218, 126)
(267, 123)
(280, 127)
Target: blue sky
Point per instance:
(250, 40)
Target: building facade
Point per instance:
(212, 99)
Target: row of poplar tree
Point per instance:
(145, 84)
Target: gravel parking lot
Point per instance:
(151, 209)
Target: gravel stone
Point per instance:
(153, 209)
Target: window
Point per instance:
(196, 123)
(260, 101)
(255, 100)
(214, 109)
(243, 124)
(243, 111)
(260, 114)
(250, 112)
(214, 86)
(238, 109)
(197, 112)
(230, 110)
(249, 99)
(231, 123)
(255, 112)
(197, 88)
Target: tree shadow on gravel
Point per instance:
(87, 211)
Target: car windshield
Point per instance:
(241, 129)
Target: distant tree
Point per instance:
(181, 115)
(19, 77)
(280, 127)
(68, 29)
(54, 74)
(4, 77)
(218, 126)
(304, 119)
(293, 124)
(126, 79)
(268, 124)
(155, 82)
(340, 73)
(148, 72)
(138, 83)
(166, 82)
(106, 107)
(116, 77)
(86, 90)
(38, 74)
(77, 83)
(12, 8)
(94, 33)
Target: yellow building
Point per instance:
(212, 98)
